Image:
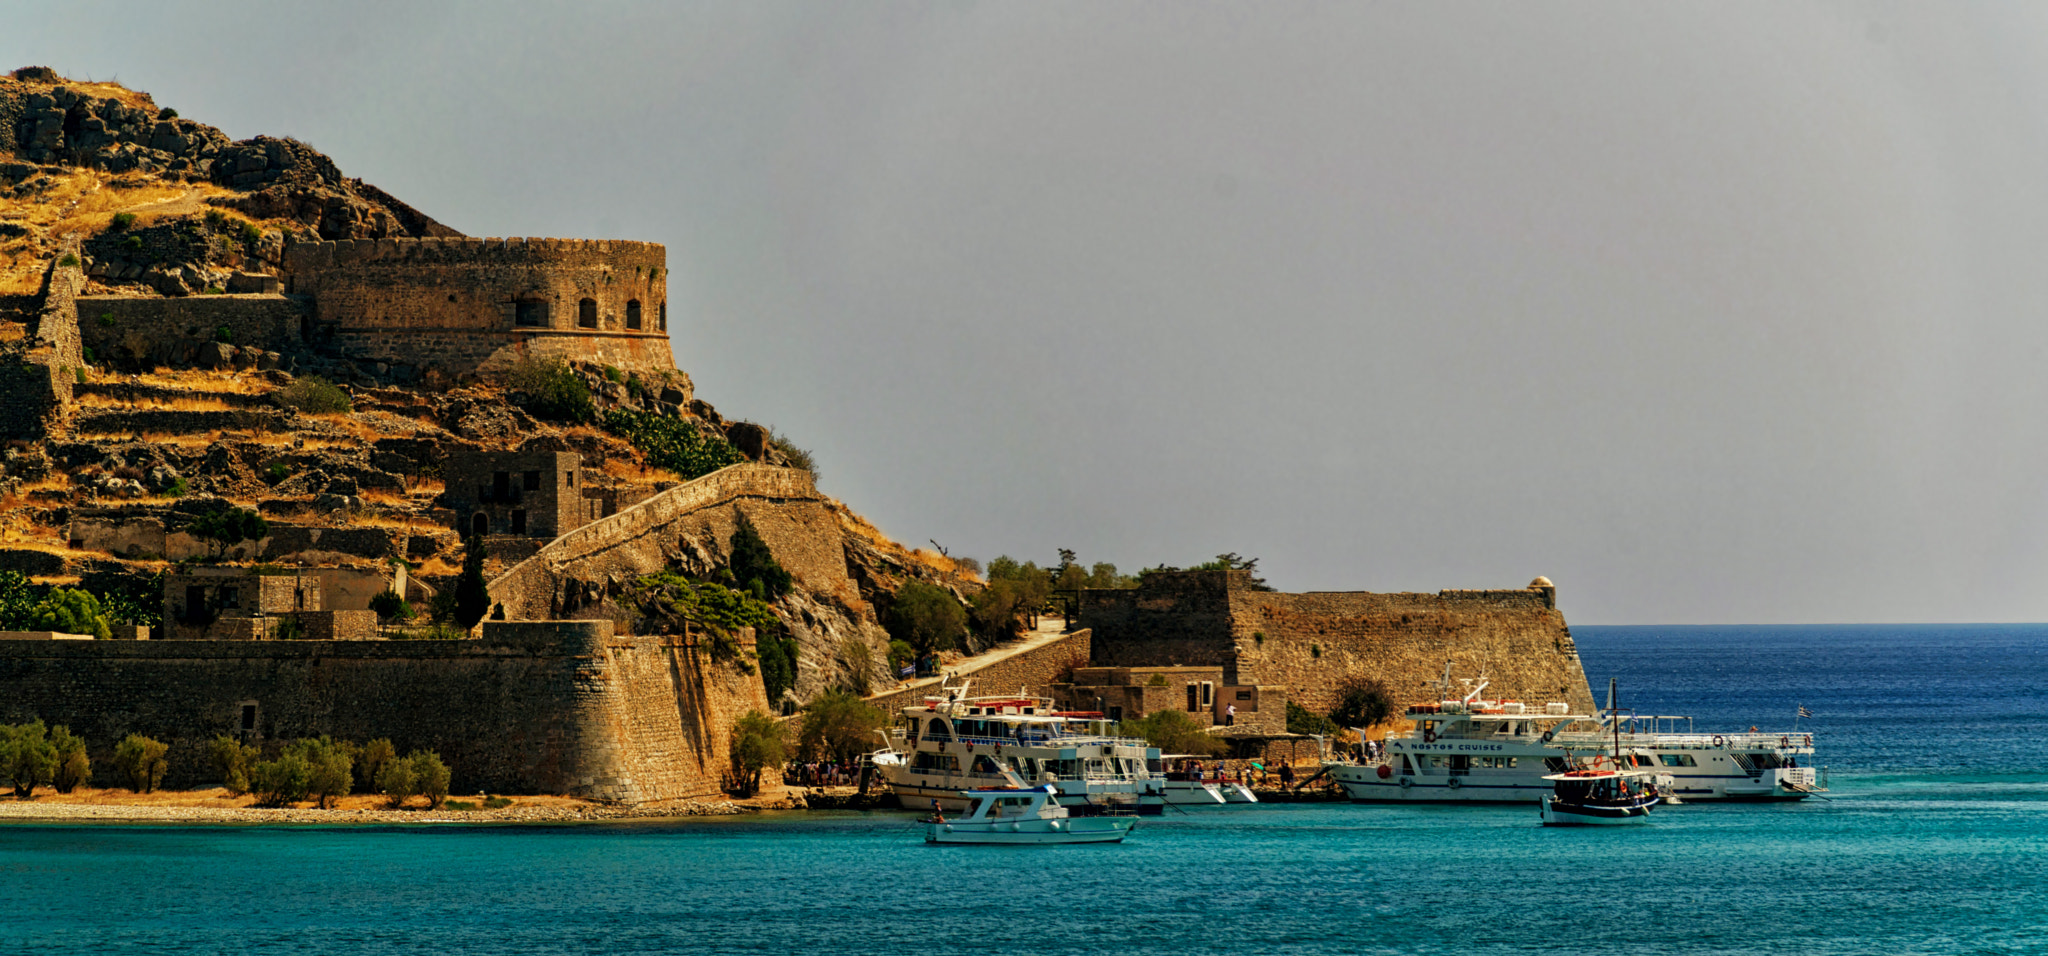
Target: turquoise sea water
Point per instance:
(1932, 844)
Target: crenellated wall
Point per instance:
(462, 304)
(1312, 643)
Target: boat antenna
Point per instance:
(1614, 716)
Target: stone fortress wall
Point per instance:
(533, 707)
(466, 303)
(1312, 643)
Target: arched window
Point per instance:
(633, 314)
(586, 313)
(664, 316)
(481, 524)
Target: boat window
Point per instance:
(1407, 767)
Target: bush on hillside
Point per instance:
(672, 443)
(548, 388)
(926, 617)
(140, 761)
(73, 766)
(314, 396)
(233, 761)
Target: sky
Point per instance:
(1711, 313)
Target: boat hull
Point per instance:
(1564, 815)
(1032, 832)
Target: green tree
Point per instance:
(900, 656)
(672, 443)
(1173, 732)
(27, 757)
(432, 776)
(375, 755)
(233, 760)
(1362, 702)
(328, 768)
(229, 527)
(73, 766)
(281, 782)
(1301, 720)
(72, 611)
(549, 388)
(397, 780)
(140, 761)
(472, 592)
(777, 652)
(754, 566)
(18, 599)
(839, 726)
(998, 610)
(1227, 561)
(925, 617)
(390, 606)
(1027, 584)
(757, 744)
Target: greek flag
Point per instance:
(1803, 712)
(908, 669)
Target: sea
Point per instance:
(1930, 840)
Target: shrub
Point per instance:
(1173, 732)
(72, 611)
(1362, 702)
(276, 471)
(757, 744)
(797, 457)
(926, 617)
(901, 655)
(140, 761)
(177, 488)
(549, 388)
(122, 220)
(398, 782)
(1301, 720)
(1158, 680)
(223, 335)
(613, 375)
(70, 261)
(251, 237)
(166, 114)
(390, 606)
(432, 776)
(106, 320)
(497, 803)
(283, 781)
(777, 653)
(288, 629)
(131, 244)
(672, 443)
(215, 290)
(27, 757)
(860, 664)
(314, 396)
(73, 767)
(232, 759)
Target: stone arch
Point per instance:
(586, 314)
(633, 314)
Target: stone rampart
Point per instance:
(783, 504)
(546, 707)
(1033, 670)
(1312, 643)
(462, 304)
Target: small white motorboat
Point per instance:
(1023, 817)
(1599, 797)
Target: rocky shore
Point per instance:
(50, 811)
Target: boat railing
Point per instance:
(1035, 740)
(1745, 741)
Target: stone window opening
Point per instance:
(480, 525)
(586, 314)
(1208, 694)
(501, 485)
(531, 480)
(664, 316)
(248, 718)
(570, 477)
(530, 312)
(1192, 698)
(518, 521)
(231, 597)
(633, 314)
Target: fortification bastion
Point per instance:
(462, 304)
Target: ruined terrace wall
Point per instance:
(456, 303)
(1034, 671)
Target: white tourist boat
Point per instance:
(1187, 788)
(1027, 816)
(1472, 749)
(1599, 797)
(956, 743)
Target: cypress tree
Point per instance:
(472, 593)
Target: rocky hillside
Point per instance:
(344, 466)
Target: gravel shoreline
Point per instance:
(39, 812)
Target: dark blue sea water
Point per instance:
(1933, 843)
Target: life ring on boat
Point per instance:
(1406, 783)
(1598, 761)
(1386, 771)
(1784, 741)
(1720, 741)
(1455, 783)
(1429, 736)
(1548, 734)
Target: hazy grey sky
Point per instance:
(1709, 312)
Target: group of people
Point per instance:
(819, 773)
